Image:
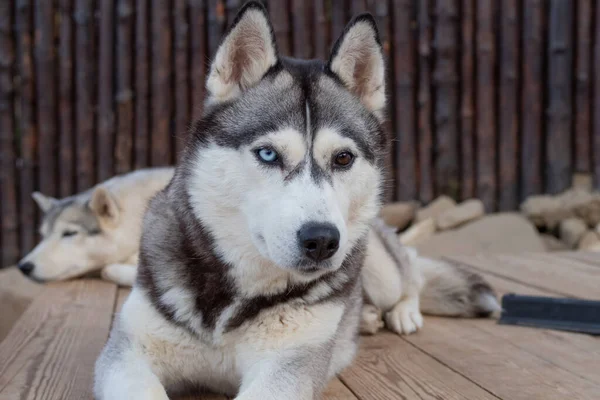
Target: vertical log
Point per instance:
(280, 18)
(161, 85)
(596, 129)
(445, 81)
(106, 118)
(142, 84)
(338, 18)
(583, 86)
(27, 127)
(8, 193)
(559, 114)
(198, 55)
(467, 106)
(532, 97)
(425, 135)
(406, 185)
(124, 89)
(181, 74)
(322, 40)
(65, 100)
(216, 25)
(509, 108)
(301, 29)
(486, 105)
(46, 95)
(84, 81)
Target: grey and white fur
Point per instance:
(255, 258)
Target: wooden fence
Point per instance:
(487, 98)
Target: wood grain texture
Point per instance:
(485, 56)
(106, 115)
(467, 101)
(508, 118)
(336, 390)
(404, 86)
(388, 367)
(51, 350)
(532, 104)
(583, 86)
(46, 95)
(124, 87)
(27, 126)
(142, 86)
(558, 167)
(445, 84)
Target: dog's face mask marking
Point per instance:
(73, 240)
(286, 165)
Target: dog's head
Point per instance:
(75, 235)
(286, 165)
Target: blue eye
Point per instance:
(267, 155)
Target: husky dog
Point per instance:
(98, 229)
(254, 259)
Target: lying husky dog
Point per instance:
(98, 229)
(249, 280)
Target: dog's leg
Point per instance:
(121, 274)
(129, 380)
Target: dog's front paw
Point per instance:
(371, 320)
(405, 318)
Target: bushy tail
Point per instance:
(449, 290)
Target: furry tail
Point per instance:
(449, 290)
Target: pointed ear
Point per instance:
(45, 203)
(357, 59)
(244, 56)
(104, 205)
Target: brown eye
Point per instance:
(343, 159)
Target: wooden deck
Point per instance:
(51, 350)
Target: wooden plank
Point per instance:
(160, 150)
(425, 133)
(445, 84)
(124, 87)
(9, 252)
(322, 41)
(388, 367)
(338, 18)
(198, 55)
(583, 86)
(486, 103)
(27, 126)
(559, 116)
(46, 95)
(595, 147)
(532, 97)
(588, 257)
(232, 7)
(84, 90)
(404, 86)
(467, 105)
(142, 87)
(182, 84)
(216, 25)
(357, 7)
(301, 29)
(51, 350)
(66, 116)
(336, 390)
(280, 18)
(106, 117)
(545, 271)
(508, 119)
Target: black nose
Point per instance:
(319, 241)
(26, 267)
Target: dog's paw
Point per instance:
(121, 274)
(405, 318)
(371, 320)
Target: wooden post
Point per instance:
(84, 90)
(508, 196)
(142, 87)
(321, 30)
(198, 56)
(106, 117)
(596, 129)
(425, 134)
(301, 30)
(406, 185)
(181, 75)
(338, 18)
(486, 104)
(216, 25)
(161, 86)
(467, 103)
(27, 127)
(559, 115)
(445, 80)
(124, 88)
(9, 244)
(280, 18)
(583, 87)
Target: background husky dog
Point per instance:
(249, 278)
(97, 229)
